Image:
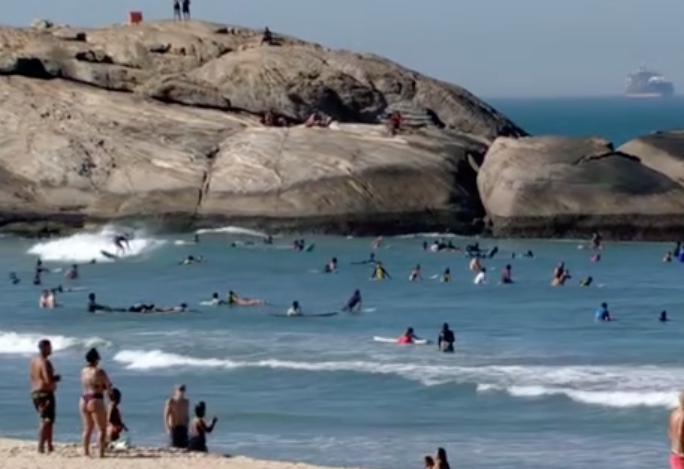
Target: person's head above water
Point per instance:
(91, 296)
(604, 305)
(183, 305)
(215, 295)
(409, 331)
(295, 304)
(372, 255)
(334, 260)
(445, 327)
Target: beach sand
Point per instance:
(21, 454)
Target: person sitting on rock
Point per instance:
(267, 37)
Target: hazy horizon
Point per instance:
(494, 48)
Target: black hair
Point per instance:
(92, 356)
(115, 395)
(200, 409)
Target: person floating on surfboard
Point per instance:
(408, 337)
(353, 303)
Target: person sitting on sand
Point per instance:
(199, 429)
(43, 386)
(441, 460)
(267, 37)
(115, 424)
(95, 383)
(177, 418)
(236, 300)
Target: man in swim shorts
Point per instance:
(676, 434)
(177, 418)
(43, 385)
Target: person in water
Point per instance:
(115, 424)
(295, 309)
(446, 339)
(14, 278)
(95, 384)
(602, 314)
(94, 306)
(47, 300)
(407, 337)
(429, 462)
(668, 257)
(72, 273)
(37, 280)
(330, 267)
(370, 260)
(217, 301)
(662, 317)
(199, 429)
(596, 240)
(481, 277)
(181, 308)
(475, 265)
(121, 243)
(415, 274)
(441, 460)
(507, 275)
(586, 281)
(380, 273)
(675, 433)
(141, 308)
(192, 260)
(43, 386)
(353, 304)
(235, 300)
(446, 276)
(177, 418)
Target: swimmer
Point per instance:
(47, 300)
(481, 277)
(415, 274)
(425, 245)
(196, 239)
(446, 276)
(37, 278)
(71, 273)
(662, 317)
(507, 275)
(330, 267)
(408, 337)
(446, 339)
(668, 257)
(235, 300)
(585, 282)
(475, 265)
(295, 309)
(379, 273)
(39, 267)
(13, 278)
(596, 258)
(354, 303)
(216, 301)
(602, 314)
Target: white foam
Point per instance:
(19, 343)
(427, 235)
(84, 247)
(616, 386)
(234, 230)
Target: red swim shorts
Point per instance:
(676, 461)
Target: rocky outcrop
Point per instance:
(161, 121)
(561, 187)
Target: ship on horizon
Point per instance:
(647, 83)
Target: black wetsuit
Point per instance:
(446, 337)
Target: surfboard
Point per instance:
(320, 315)
(108, 255)
(310, 247)
(393, 340)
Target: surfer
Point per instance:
(37, 280)
(596, 240)
(446, 276)
(446, 339)
(379, 273)
(668, 257)
(602, 314)
(268, 240)
(370, 260)
(330, 267)
(94, 306)
(507, 275)
(47, 300)
(407, 337)
(492, 252)
(216, 301)
(72, 273)
(192, 260)
(353, 303)
(295, 309)
(415, 274)
(39, 267)
(122, 243)
(481, 277)
(585, 282)
(662, 317)
(14, 278)
(235, 300)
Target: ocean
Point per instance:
(534, 383)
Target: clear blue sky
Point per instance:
(492, 47)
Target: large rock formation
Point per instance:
(561, 187)
(161, 121)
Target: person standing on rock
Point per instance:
(177, 10)
(186, 10)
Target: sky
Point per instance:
(494, 48)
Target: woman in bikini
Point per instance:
(95, 384)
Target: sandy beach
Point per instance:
(21, 454)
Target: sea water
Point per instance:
(534, 382)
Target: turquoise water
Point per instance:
(533, 374)
(534, 379)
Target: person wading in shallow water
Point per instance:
(43, 385)
(676, 434)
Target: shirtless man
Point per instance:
(43, 384)
(676, 435)
(177, 418)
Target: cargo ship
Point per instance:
(647, 83)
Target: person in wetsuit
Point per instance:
(94, 306)
(407, 337)
(446, 339)
(295, 309)
(602, 314)
(354, 303)
(379, 273)
(121, 243)
(662, 317)
(199, 429)
(115, 424)
(14, 278)
(586, 281)
(330, 267)
(370, 260)
(446, 276)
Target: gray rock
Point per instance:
(553, 187)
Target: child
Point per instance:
(115, 423)
(429, 462)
